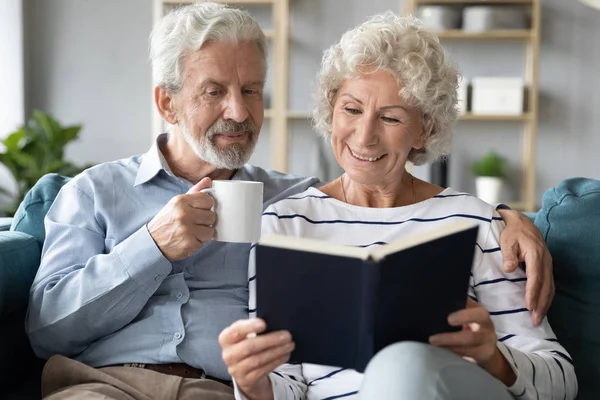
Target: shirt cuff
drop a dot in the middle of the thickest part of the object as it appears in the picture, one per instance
(240, 396)
(512, 356)
(143, 260)
(237, 393)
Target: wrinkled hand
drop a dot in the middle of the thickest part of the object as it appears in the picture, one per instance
(185, 223)
(521, 241)
(476, 341)
(250, 358)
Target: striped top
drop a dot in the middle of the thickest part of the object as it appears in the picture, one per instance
(543, 367)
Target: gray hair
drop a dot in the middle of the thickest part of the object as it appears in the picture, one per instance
(414, 56)
(188, 28)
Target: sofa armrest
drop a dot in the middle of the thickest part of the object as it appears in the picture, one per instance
(19, 262)
(5, 223)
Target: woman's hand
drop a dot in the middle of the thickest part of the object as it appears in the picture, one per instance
(476, 341)
(250, 358)
(521, 241)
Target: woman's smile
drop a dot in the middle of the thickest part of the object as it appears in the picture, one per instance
(365, 156)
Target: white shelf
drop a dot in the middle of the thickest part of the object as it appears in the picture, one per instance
(243, 2)
(419, 2)
(482, 117)
(524, 34)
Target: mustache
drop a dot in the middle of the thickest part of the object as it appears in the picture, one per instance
(230, 126)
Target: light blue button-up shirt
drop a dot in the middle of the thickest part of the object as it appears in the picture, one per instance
(104, 293)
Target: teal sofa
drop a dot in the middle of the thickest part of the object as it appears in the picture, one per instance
(569, 220)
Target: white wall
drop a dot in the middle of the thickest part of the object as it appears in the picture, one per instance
(88, 63)
(11, 66)
(11, 76)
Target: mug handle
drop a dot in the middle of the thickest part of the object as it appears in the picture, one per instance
(211, 192)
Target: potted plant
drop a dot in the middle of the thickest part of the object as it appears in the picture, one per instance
(490, 173)
(34, 150)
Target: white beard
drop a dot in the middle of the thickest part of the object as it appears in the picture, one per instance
(233, 156)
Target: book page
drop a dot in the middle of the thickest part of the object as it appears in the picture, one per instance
(313, 246)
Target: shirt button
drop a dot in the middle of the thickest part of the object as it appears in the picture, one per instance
(158, 278)
(179, 295)
(177, 336)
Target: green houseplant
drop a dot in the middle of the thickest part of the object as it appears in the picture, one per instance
(490, 172)
(36, 149)
(491, 165)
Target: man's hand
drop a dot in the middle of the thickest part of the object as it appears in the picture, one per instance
(250, 358)
(521, 241)
(476, 341)
(185, 223)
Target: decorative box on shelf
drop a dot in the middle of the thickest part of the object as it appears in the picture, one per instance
(498, 96)
(440, 18)
(485, 18)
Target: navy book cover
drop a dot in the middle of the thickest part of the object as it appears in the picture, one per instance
(343, 304)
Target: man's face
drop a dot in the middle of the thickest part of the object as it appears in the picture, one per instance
(220, 106)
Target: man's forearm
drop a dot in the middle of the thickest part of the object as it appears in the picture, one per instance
(73, 305)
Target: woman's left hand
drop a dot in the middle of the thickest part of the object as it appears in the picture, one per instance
(476, 341)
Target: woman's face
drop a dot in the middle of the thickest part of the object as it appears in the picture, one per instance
(374, 129)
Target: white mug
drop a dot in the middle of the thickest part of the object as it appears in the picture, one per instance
(238, 205)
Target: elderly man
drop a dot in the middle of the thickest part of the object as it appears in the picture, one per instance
(131, 287)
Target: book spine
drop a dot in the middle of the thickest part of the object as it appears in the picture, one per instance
(366, 337)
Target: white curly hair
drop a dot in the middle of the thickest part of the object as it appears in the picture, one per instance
(414, 56)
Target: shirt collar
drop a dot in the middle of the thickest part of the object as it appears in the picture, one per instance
(153, 162)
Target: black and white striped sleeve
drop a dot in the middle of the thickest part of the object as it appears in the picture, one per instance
(543, 367)
(287, 383)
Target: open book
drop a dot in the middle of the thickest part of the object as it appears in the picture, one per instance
(343, 304)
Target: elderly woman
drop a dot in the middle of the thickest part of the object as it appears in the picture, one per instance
(387, 95)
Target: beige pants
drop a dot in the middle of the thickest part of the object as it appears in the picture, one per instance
(64, 379)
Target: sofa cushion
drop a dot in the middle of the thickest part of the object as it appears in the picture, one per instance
(570, 223)
(19, 261)
(32, 210)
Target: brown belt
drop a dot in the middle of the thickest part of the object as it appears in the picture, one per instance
(181, 370)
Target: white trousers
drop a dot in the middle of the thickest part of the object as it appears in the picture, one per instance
(418, 371)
